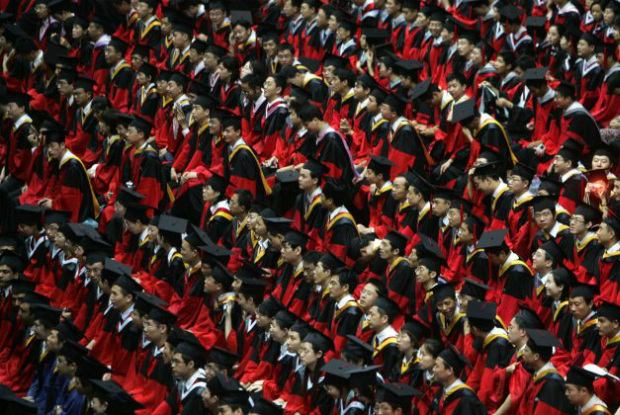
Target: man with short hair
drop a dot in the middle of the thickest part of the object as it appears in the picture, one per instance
(580, 392)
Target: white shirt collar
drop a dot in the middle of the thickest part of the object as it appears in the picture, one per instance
(594, 400)
(386, 333)
(343, 301)
(144, 234)
(456, 383)
(337, 211)
(22, 120)
(396, 123)
(499, 188)
(614, 248)
(171, 254)
(570, 174)
(547, 366)
(237, 144)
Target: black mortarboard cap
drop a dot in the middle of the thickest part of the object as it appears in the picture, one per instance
(540, 203)
(380, 164)
(589, 213)
(335, 61)
(463, 111)
(46, 312)
(12, 260)
(331, 262)
(128, 284)
(172, 224)
(197, 237)
(481, 314)
(14, 405)
(241, 15)
(399, 394)
(30, 214)
(580, 377)
(397, 102)
(454, 358)
(270, 307)
(318, 340)
(315, 167)
(609, 310)
(358, 349)
(524, 171)
(421, 184)
(420, 89)
(56, 216)
(91, 368)
(389, 307)
(584, 290)
(263, 406)
(550, 185)
(161, 315)
(68, 331)
(119, 44)
(73, 351)
(397, 240)
(535, 21)
(84, 82)
(474, 289)
(542, 339)
(296, 238)
(492, 239)
(443, 291)
(375, 36)
(146, 301)
(222, 357)
(23, 286)
(566, 89)
(511, 13)
(571, 150)
(534, 74)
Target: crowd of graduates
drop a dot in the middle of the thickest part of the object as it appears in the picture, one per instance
(310, 207)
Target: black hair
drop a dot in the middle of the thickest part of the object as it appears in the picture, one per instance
(509, 58)
(525, 62)
(545, 353)
(198, 362)
(242, 22)
(232, 65)
(433, 347)
(280, 82)
(346, 277)
(312, 257)
(458, 77)
(345, 75)
(252, 80)
(283, 47)
(309, 113)
(245, 198)
(259, 69)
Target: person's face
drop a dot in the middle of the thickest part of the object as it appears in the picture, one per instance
(500, 65)
(118, 298)
(39, 330)
(387, 113)
(516, 184)
(343, 34)
(111, 55)
(514, 332)
(288, 253)
(235, 207)
(309, 271)
(82, 98)
(293, 341)
(313, 126)
(385, 250)
(179, 39)
(93, 271)
(41, 11)
(144, 11)
(336, 290)
(153, 330)
(63, 365)
(545, 219)
(307, 354)
(454, 218)
(447, 306)
(368, 296)
(208, 194)
(210, 61)
(263, 321)
(553, 35)
(552, 288)
(270, 47)
(597, 12)
(422, 274)
(605, 233)
(230, 135)
(187, 251)
(456, 89)
(441, 371)
(608, 16)
(270, 89)
(562, 102)
(216, 16)
(6, 275)
(435, 27)
(278, 333)
(584, 50)
(64, 87)
(54, 150)
(98, 406)
(464, 48)
(476, 57)
(427, 361)
(561, 165)
(375, 319)
(359, 92)
(404, 341)
(260, 227)
(305, 180)
(180, 369)
(576, 394)
(529, 357)
(285, 57)
(579, 307)
(373, 105)
(539, 260)
(578, 224)
(320, 275)
(440, 207)
(600, 162)
(607, 327)
(399, 189)
(241, 34)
